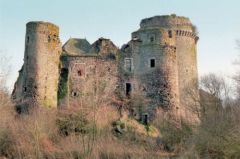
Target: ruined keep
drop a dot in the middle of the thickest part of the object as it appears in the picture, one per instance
(38, 78)
(159, 64)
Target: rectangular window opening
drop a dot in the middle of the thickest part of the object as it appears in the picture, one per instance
(128, 64)
(145, 119)
(151, 39)
(152, 63)
(170, 33)
(128, 89)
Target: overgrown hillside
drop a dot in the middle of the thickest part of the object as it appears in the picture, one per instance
(106, 132)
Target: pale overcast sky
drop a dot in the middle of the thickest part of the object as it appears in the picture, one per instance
(218, 23)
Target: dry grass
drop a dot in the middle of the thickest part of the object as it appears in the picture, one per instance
(36, 135)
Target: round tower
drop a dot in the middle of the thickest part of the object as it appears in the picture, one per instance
(41, 64)
(155, 64)
(164, 59)
(185, 40)
(186, 44)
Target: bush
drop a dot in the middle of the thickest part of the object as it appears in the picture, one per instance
(218, 135)
(6, 144)
(69, 123)
(62, 88)
(174, 137)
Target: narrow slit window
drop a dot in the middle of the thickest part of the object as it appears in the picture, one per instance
(128, 89)
(152, 63)
(145, 119)
(151, 38)
(28, 39)
(170, 33)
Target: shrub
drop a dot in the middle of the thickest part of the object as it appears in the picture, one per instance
(174, 136)
(6, 144)
(62, 88)
(76, 123)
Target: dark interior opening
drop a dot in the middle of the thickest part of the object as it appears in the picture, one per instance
(64, 73)
(151, 39)
(170, 33)
(25, 89)
(49, 38)
(63, 83)
(27, 39)
(128, 89)
(152, 63)
(74, 94)
(79, 72)
(145, 119)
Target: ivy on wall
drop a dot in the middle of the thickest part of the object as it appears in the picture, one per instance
(62, 88)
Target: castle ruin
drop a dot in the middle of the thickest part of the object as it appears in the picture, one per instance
(159, 63)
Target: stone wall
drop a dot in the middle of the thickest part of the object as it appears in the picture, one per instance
(171, 42)
(187, 71)
(159, 63)
(38, 79)
(91, 80)
(92, 76)
(158, 83)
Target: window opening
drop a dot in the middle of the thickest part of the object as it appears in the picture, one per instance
(128, 89)
(170, 33)
(128, 64)
(152, 63)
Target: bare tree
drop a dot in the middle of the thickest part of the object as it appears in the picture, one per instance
(4, 71)
(237, 75)
(4, 74)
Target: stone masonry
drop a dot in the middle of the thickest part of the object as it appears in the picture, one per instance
(38, 79)
(159, 63)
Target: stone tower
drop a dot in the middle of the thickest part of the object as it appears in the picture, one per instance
(38, 78)
(158, 65)
(160, 62)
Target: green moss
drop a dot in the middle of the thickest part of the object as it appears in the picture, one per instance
(63, 88)
(48, 103)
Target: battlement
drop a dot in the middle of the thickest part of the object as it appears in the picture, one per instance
(187, 34)
(166, 21)
(159, 63)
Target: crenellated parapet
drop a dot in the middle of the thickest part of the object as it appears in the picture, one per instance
(187, 34)
(159, 63)
(166, 45)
